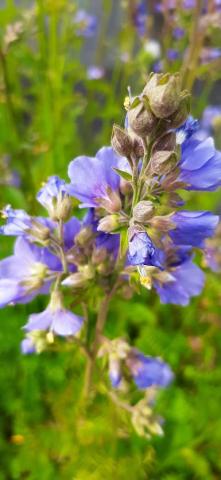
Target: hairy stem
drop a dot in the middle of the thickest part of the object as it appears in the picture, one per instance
(101, 319)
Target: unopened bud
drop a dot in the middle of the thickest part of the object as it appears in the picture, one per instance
(143, 211)
(163, 223)
(108, 224)
(39, 231)
(79, 279)
(84, 236)
(121, 141)
(99, 255)
(141, 120)
(181, 114)
(163, 92)
(165, 142)
(163, 162)
(63, 208)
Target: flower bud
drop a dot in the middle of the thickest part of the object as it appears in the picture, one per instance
(143, 211)
(84, 236)
(108, 224)
(121, 141)
(181, 114)
(99, 255)
(63, 208)
(163, 92)
(141, 120)
(163, 162)
(165, 142)
(163, 223)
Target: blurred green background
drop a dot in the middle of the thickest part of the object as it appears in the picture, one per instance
(51, 110)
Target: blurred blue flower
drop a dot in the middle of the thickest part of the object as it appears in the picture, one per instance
(27, 346)
(148, 371)
(211, 117)
(192, 228)
(184, 281)
(172, 54)
(55, 318)
(94, 182)
(200, 164)
(86, 23)
(178, 32)
(140, 18)
(95, 72)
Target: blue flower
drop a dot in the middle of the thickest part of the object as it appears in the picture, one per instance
(86, 23)
(148, 371)
(54, 197)
(192, 228)
(186, 130)
(140, 18)
(94, 72)
(172, 54)
(27, 273)
(141, 249)
(184, 281)
(94, 182)
(55, 318)
(20, 223)
(200, 164)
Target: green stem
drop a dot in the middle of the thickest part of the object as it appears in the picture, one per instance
(101, 319)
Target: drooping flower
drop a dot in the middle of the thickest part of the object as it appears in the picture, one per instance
(192, 228)
(55, 318)
(27, 273)
(148, 371)
(141, 250)
(94, 182)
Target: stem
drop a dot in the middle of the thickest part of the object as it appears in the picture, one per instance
(101, 319)
(189, 68)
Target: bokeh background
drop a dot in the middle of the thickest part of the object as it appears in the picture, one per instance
(64, 71)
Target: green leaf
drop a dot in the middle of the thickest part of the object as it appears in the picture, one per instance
(125, 175)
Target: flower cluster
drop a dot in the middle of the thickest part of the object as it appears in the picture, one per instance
(135, 231)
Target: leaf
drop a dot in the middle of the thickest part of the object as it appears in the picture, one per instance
(125, 175)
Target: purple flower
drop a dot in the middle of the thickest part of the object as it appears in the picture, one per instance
(86, 24)
(27, 346)
(200, 164)
(19, 223)
(210, 54)
(185, 281)
(27, 273)
(192, 228)
(55, 318)
(172, 54)
(94, 182)
(95, 72)
(140, 18)
(115, 373)
(186, 130)
(141, 249)
(54, 197)
(148, 371)
(178, 32)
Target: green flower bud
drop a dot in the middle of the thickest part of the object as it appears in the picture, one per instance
(108, 224)
(143, 211)
(63, 208)
(163, 93)
(121, 141)
(180, 115)
(140, 118)
(163, 162)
